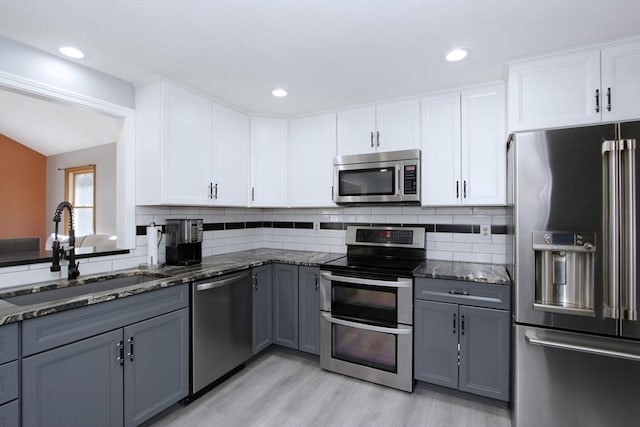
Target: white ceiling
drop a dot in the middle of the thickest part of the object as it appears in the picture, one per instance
(326, 53)
(51, 128)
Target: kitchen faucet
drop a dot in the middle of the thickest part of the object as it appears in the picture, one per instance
(57, 250)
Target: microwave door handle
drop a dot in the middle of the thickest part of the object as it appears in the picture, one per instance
(366, 326)
(398, 189)
(401, 283)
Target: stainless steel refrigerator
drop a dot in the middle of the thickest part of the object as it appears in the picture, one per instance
(573, 194)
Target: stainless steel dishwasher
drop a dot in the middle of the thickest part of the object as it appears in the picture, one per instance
(221, 313)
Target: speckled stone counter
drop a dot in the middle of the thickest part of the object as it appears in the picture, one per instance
(166, 276)
(466, 271)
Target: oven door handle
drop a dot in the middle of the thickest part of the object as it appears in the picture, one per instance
(357, 325)
(401, 283)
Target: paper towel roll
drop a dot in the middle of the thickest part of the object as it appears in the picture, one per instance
(153, 236)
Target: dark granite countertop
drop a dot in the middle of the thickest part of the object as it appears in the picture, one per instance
(213, 266)
(34, 257)
(173, 275)
(466, 271)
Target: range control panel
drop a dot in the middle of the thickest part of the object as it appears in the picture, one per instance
(399, 237)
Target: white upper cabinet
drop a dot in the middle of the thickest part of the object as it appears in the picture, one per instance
(554, 91)
(356, 131)
(230, 157)
(398, 125)
(312, 146)
(463, 147)
(385, 127)
(173, 128)
(268, 162)
(621, 83)
(578, 88)
(484, 152)
(441, 149)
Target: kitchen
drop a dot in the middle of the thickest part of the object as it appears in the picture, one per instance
(290, 207)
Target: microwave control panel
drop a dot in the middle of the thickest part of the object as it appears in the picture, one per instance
(410, 179)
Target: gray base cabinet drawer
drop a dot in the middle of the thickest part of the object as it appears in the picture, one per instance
(468, 293)
(8, 382)
(10, 414)
(47, 332)
(8, 343)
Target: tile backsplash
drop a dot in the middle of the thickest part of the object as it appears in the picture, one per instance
(452, 234)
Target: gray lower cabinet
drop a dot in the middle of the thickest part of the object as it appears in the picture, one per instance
(309, 310)
(262, 331)
(117, 377)
(285, 305)
(156, 368)
(466, 347)
(484, 351)
(10, 414)
(9, 376)
(78, 384)
(436, 343)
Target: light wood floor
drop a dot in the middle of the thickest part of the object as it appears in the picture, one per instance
(282, 388)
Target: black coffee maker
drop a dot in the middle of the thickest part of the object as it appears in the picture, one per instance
(184, 241)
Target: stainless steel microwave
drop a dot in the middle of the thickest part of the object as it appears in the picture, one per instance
(387, 177)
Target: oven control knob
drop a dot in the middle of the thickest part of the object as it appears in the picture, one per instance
(547, 238)
(588, 246)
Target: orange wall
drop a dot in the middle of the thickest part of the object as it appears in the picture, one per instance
(23, 199)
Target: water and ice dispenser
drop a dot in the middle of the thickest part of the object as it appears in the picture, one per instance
(564, 266)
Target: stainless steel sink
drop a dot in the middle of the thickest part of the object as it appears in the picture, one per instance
(94, 286)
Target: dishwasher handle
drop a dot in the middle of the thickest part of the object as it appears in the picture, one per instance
(219, 283)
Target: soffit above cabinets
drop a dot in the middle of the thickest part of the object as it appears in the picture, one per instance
(327, 54)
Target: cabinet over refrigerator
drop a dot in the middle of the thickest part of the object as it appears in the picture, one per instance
(577, 335)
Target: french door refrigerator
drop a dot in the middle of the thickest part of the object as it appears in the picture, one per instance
(575, 233)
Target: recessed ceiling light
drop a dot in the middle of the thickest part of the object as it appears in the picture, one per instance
(279, 93)
(71, 52)
(456, 55)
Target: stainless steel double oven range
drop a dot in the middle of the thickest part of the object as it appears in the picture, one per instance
(366, 305)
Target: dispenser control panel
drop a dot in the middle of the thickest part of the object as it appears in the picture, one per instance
(562, 240)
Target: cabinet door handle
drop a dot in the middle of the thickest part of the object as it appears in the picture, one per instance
(120, 348)
(215, 194)
(377, 138)
(253, 194)
(457, 189)
(464, 188)
(255, 282)
(457, 292)
(317, 282)
(462, 325)
(597, 100)
(371, 139)
(608, 99)
(454, 323)
(211, 190)
(130, 354)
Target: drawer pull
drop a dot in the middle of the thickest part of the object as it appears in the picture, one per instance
(457, 292)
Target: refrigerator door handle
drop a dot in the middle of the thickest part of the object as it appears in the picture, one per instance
(629, 298)
(611, 227)
(531, 338)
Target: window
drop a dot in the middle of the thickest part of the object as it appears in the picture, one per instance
(80, 190)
